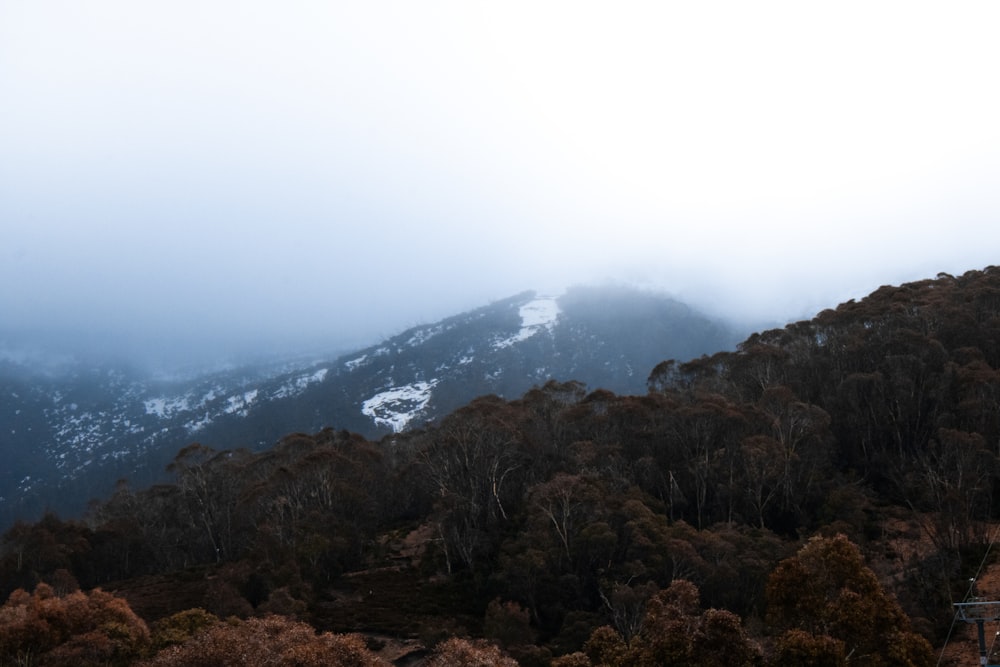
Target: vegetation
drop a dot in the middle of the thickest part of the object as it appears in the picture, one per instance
(817, 497)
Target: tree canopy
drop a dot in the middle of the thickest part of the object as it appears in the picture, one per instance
(749, 509)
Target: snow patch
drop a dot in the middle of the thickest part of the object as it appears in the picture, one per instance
(240, 404)
(398, 406)
(166, 407)
(353, 364)
(536, 315)
(198, 424)
(421, 336)
(299, 384)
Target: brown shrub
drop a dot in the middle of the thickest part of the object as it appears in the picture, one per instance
(273, 640)
(78, 629)
(457, 652)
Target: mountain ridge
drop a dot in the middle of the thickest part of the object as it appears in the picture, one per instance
(859, 444)
(60, 429)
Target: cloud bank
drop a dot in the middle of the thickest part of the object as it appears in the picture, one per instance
(323, 172)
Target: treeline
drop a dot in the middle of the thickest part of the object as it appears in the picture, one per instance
(537, 522)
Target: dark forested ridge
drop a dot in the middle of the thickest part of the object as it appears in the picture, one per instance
(67, 437)
(821, 495)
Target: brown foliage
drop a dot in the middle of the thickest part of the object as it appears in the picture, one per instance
(800, 648)
(554, 498)
(827, 591)
(180, 627)
(507, 623)
(77, 629)
(676, 631)
(576, 659)
(267, 641)
(458, 652)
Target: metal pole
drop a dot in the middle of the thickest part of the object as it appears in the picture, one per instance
(979, 611)
(982, 641)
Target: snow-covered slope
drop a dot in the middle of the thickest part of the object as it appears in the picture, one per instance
(67, 439)
(57, 431)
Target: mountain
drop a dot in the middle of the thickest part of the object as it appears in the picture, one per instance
(843, 467)
(66, 437)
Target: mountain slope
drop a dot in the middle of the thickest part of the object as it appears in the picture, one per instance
(861, 442)
(68, 438)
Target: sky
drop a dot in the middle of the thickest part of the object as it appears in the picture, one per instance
(265, 173)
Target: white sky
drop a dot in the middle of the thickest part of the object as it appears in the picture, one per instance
(347, 169)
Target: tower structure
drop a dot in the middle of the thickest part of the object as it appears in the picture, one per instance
(979, 611)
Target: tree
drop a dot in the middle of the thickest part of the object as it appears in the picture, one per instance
(798, 648)
(507, 623)
(34, 552)
(675, 631)
(260, 642)
(827, 592)
(697, 431)
(802, 431)
(627, 605)
(457, 652)
(76, 630)
(565, 504)
(181, 627)
(210, 484)
(953, 479)
(762, 459)
(473, 462)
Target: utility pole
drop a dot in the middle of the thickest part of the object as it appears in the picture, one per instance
(979, 611)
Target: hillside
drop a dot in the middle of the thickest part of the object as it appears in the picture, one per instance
(825, 490)
(68, 437)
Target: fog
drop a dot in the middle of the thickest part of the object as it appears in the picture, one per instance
(183, 181)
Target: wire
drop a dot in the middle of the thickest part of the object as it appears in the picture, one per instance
(947, 639)
(972, 582)
(997, 632)
(972, 587)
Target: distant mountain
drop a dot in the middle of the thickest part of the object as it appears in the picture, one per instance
(67, 438)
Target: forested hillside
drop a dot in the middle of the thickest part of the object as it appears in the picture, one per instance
(819, 496)
(66, 437)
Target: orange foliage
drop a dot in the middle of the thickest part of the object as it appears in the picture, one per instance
(674, 631)
(576, 659)
(272, 640)
(797, 647)
(74, 630)
(829, 596)
(457, 652)
(180, 627)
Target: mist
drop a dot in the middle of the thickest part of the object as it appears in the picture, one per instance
(183, 184)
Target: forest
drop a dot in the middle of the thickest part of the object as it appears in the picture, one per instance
(821, 495)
